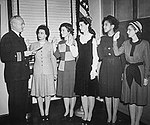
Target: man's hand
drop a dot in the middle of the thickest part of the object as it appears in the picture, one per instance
(27, 53)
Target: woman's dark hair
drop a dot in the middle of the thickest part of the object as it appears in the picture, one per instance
(139, 35)
(112, 20)
(45, 28)
(68, 26)
(88, 20)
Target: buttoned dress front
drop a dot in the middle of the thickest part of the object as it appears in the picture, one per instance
(111, 68)
(43, 71)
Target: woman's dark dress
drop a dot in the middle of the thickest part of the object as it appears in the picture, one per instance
(111, 68)
(83, 84)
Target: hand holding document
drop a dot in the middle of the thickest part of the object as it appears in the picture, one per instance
(36, 50)
(33, 52)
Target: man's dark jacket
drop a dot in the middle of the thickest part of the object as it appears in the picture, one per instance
(12, 49)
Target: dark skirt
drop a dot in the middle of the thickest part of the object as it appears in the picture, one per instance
(86, 86)
(110, 78)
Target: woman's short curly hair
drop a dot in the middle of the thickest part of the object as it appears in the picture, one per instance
(68, 26)
(45, 28)
(112, 20)
(86, 20)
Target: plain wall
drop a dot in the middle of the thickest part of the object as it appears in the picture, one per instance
(95, 13)
(4, 29)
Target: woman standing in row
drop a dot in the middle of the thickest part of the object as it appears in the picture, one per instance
(44, 72)
(111, 68)
(86, 80)
(66, 51)
(136, 73)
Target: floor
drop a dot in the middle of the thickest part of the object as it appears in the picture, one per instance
(57, 110)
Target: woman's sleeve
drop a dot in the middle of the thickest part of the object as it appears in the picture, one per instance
(31, 47)
(120, 50)
(147, 60)
(74, 49)
(56, 52)
(54, 62)
(95, 55)
(122, 56)
(100, 51)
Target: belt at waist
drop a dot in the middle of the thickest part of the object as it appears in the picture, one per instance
(137, 64)
(133, 72)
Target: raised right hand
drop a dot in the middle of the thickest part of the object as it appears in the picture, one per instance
(116, 36)
(55, 41)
